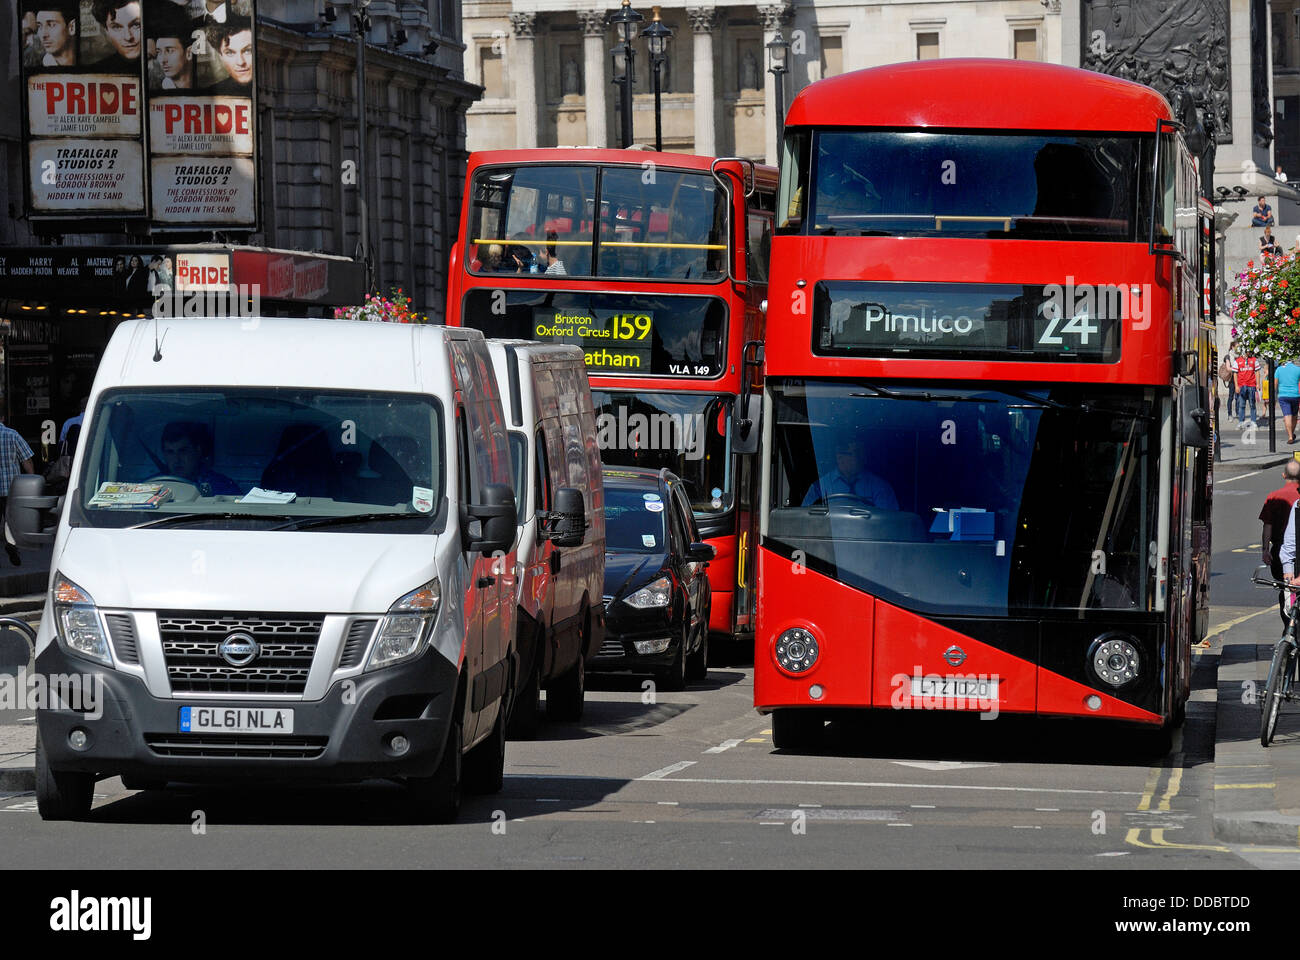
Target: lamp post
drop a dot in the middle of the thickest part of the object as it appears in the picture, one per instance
(625, 22)
(656, 37)
(360, 27)
(776, 52)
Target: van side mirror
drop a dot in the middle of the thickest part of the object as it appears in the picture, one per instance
(567, 523)
(1195, 426)
(27, 512)
(496, 511)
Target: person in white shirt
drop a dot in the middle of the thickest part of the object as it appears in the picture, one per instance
(1279, 176)
(547, 258)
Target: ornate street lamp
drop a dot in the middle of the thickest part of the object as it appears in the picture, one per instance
(625, 22)
(777, 49)
(656, 37)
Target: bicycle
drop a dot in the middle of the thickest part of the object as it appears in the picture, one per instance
(1282, 670)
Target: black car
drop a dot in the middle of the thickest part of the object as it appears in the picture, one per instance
(657, 592)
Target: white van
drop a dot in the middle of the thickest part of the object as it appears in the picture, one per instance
(561, 545)
(287, 553)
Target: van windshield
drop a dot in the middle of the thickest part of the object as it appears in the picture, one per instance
(262, 458)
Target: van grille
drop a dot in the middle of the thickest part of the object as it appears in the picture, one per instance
(286, 642)
(236, 746)
(122, 629)
(354, 647)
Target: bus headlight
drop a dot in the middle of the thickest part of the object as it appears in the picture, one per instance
(796, 650)
(1114, 659)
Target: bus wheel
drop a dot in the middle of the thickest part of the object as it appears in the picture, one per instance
(796, 728)
(697, 665)
(436, 799)
(485, 765)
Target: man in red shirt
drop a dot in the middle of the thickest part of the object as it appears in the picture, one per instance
(1274, 516)
(1247, 371)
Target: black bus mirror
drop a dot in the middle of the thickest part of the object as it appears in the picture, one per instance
(745, 428)
(1196, 427)
(567, 523)
(28, 511)
(496, 513)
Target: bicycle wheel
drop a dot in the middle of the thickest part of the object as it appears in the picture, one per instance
(1278, 672)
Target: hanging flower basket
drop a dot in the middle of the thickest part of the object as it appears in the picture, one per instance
(1265, 308)
(395, 308)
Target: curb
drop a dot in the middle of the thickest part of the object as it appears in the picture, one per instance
(18, 779)
(1257, 826)
(1236, 467)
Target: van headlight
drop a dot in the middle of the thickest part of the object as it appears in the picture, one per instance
(657, 594)
(79, 627)
(407, 625)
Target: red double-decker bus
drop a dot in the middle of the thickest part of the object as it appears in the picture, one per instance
(655, 264)
(986, 476)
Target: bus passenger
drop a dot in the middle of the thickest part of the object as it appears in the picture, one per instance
(852, 478)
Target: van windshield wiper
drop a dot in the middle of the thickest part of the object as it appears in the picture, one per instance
(305, 523)
(176, 519)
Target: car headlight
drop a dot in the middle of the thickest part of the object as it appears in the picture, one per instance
(79, 627)
(407, 625)
(657, 594)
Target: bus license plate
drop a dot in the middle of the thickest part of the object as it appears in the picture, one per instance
(235, 720)
(965, 688)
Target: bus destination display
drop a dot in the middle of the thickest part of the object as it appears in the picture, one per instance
(1053, 321)
(619, 341)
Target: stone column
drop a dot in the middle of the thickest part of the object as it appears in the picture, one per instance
(524, 72)
(772, 15)
(593, 48)
(703, 20)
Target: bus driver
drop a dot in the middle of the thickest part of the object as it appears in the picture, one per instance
(852, 478)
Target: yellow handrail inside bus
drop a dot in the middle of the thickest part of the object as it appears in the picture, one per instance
(606, 243)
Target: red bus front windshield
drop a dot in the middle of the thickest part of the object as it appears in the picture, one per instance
(653, 223)
(1057, 508)
(1025, 186)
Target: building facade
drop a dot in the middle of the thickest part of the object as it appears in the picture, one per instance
(548, 69)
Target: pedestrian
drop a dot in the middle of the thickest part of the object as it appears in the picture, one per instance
(1228, 374)
(1247, 370)
(1261, 215)
(1287, 389)
(15, 458)
(1279, 175)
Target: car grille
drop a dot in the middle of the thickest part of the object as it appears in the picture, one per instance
(236, 746)
(610, 648)
(287, 643)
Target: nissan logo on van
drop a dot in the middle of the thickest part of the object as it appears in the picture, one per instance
(238, 649)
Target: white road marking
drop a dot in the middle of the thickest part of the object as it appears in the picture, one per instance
(1115, 853)
(898, 824)
(661, 776)
(941, 764)
(725, 745)
(1025, 827)
(667, 803)
(671, 768)
(1047, 809)
(923, 806)
(1243, 476)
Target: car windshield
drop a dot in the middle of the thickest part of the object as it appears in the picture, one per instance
(689, 433)
(634, 520)
(1037, 186)
(958, 499)
(257, 457)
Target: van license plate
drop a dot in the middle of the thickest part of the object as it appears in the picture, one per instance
(235, 720)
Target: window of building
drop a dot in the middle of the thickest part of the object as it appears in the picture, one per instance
(832, 56)
(491, 72)
(927, 46)
(1025, 43)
